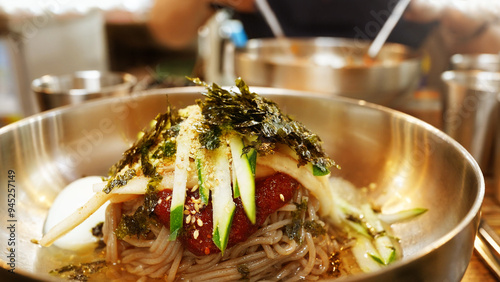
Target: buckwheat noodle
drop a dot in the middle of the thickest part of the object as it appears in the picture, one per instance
(267, 255)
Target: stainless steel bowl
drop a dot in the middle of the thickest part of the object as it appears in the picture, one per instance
(332, 66)
(412, 164)
(54, 91)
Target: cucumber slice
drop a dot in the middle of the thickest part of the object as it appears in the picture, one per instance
(317, 171)
(245, 175)
(383, 243)
(179, 187)
(202, 177)
(236, 188)
(222, 199)
(401, 216)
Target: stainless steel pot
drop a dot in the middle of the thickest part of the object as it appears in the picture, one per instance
(411, 163)
(332, 66)
(70, 89)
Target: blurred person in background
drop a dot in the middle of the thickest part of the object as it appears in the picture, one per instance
(466, 26)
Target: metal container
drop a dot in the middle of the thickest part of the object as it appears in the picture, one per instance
(332, 66)
(55, 91)
(485, 62)
(407, 162)
(470, 112)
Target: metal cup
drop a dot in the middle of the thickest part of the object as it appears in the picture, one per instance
(484, 62)
(470, 112)
(55, 91)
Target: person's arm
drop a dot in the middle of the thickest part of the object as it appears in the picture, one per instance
(472, 27)
(175, 23)
(471, 33)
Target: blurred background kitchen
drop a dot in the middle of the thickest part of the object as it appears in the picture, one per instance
(63, 36)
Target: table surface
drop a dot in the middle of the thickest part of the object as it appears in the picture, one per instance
(477, 270)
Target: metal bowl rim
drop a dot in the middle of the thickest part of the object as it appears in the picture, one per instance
(410, 55)
(129, 80)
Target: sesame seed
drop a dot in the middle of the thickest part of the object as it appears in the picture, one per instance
(197, 207)
(195, 187)
(199, 222)
(185, 212)
(193, 211)
(188, 219)
(282, 197)
(193, 219)
(196, 233)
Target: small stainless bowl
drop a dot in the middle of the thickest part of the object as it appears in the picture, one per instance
(55, 91)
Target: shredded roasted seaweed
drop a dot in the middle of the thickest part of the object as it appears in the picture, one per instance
(166, 151)
(166, 127)
(314, 227)
(97, 230)
(294, 229)
(244, 271)
(119, 180)
(151, 196)
(335, 264)
(246, 113)
(250, 114)
(79, 272)
(139, 223)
